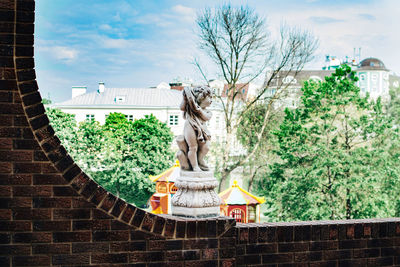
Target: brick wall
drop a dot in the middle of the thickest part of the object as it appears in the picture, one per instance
(372, 242)
(52, 214)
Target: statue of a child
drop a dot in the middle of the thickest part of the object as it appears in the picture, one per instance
(194, 144)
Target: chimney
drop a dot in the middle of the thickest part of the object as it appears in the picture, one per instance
(101, 87)
(78, 90)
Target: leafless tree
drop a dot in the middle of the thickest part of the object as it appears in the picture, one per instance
(238, 42)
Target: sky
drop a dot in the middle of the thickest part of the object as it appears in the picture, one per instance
(141, 43)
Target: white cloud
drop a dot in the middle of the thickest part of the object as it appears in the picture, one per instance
(117, 17)
(105, 27)
(115, 43)
(184, 10)
(186, 13)
(143, 48)
(324, 19)
(61, 53)
(173, 17)
(372, 27)
(64, 53)
(154, 19)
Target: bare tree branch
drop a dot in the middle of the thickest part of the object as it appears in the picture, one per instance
(238, 42)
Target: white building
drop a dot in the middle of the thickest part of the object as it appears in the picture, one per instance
(374, 79)
(373, 76)
(135, 103)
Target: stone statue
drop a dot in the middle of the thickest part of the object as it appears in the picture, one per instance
(196, 184)
(195, 141)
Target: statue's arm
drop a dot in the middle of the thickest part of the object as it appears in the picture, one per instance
(207, 114)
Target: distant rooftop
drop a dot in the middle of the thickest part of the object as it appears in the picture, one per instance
(372, 64)
(124, 97)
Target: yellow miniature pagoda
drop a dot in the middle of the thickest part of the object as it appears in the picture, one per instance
(240, 204)
(160, 201)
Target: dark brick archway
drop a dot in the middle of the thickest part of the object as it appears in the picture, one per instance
(52, 214)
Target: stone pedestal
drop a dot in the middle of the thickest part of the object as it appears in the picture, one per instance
(196, 196)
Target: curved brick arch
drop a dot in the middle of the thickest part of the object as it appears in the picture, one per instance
(44, 134)
(52, 214)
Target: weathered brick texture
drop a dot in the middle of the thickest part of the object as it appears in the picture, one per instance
(53, 214)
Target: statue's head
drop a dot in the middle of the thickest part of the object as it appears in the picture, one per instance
(203, 95)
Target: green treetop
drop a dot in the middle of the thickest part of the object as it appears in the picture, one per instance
(119, 155)
(333, 156)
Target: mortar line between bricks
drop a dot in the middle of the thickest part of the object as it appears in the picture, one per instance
(165, 226)
(15, 74)
(93, 193)
(233, 224)
(79, 174)
(83, 187)
(101, 202)
(31, 119)
(25, 82)
(67, 169)
(122, 212)
(29, 93)
(112, 207)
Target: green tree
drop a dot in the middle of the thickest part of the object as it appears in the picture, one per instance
(89, 145)
(333, 155)
(393, 107)
(46, 101)
(65, 126)
(132, 152)
(119, 155)
(247, 134)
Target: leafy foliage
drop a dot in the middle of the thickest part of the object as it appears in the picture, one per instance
(120, 155)
(393, 107)
(337, 157)
(247, 134)
(64, 125)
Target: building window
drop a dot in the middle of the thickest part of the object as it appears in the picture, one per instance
(217, 122)
(162, 188)
(237, 214)
(174, 189)
(129, 117)
(251, 217)
(289, 79)
(90, 117)
(120, 99)
(173, 120)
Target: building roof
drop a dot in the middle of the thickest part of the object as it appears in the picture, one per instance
(372, 64)
(169, 175)
(235, 195)
(287, 78)
(126, 97)
(242, 88)
(129, 98)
